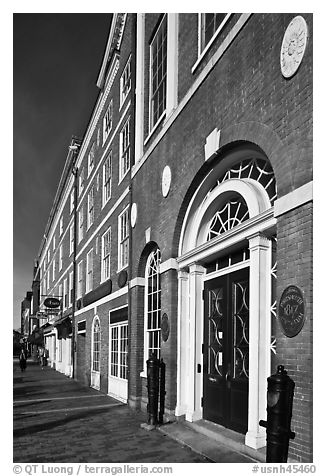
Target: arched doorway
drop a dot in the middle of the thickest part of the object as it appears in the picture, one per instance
(225, 262)
(96, 353)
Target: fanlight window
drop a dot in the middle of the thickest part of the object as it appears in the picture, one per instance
(235, 211)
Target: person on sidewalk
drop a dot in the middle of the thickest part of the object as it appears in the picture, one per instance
(22, 360)
(41, 356)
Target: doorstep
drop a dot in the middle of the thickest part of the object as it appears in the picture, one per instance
(216, 442)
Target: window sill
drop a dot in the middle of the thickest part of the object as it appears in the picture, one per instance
(159, 121)
(143, 374)
(124, 101)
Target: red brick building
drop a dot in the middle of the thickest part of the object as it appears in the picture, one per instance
(185, 220)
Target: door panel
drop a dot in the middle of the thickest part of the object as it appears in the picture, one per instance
(226, 350)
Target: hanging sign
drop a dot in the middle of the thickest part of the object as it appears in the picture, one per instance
(291, 311)
(51, 302)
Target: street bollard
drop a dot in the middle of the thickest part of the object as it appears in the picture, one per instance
(153, 370)
(280, 392)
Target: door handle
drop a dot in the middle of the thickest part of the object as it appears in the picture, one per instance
(212, 379)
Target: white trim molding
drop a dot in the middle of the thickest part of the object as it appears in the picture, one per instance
(168, 265)
(137, 281)
(294, 199)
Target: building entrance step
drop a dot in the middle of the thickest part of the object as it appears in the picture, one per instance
(216, 442)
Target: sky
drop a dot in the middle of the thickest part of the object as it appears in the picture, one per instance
(56, 61)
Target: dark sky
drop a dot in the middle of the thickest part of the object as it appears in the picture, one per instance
(56, 61)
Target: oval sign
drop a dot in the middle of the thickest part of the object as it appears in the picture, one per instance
(291, 311)
(52, 302)
(165, 327)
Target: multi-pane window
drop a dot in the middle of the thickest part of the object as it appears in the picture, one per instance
(90, 207)
(48, 280)
(210, 24)
(107, 178)
(153, 305)
(71, 238)
(53, 242)
(71, 287)
(91, 158)
(60, 257)
(125, 82)
(89, 271)
(106, 254)
(125, 149)
(96, 345)
(61, 226)
(80, 279)
(158, 61)
(49, 255)
(65, 294)
(119, 351)
(60, 293)
(107, 121)
(81, 181)
(53, 269)
(80, 224)
(123, 235)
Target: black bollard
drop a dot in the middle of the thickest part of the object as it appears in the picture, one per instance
(280, 392)
(153, 371)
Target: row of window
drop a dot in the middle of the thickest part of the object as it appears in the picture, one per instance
(123, 258)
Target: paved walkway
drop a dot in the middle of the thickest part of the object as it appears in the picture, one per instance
(57, 420)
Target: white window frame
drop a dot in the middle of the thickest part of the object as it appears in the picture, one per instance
(71, 239)
(60, 258)
(53, 243)
(72, 201)
(80, 279)
(106, 256)
(146, 310)
(70, 289)
(81, 181)
(125, 82)
(152, 124)
(89, 270)
(123, 238)
(53, 269)
(91, 159)
(49, 255)
(48, 280)
(60, 294)
(98, 136)
(124, 148)
(65, 293)
(108, 121)
(107, 182)
(97, 352)
(61, 225)
(80, 224)
(90, 207)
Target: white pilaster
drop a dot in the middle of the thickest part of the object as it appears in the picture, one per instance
(172, 63)
(183, 342)
(139, 107)
(194, 381)
(259, 336)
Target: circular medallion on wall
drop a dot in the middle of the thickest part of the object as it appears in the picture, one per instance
(133, 215)
(293, 46)
(122, 278)
(291, 311)
(165, 327)
(166, 180)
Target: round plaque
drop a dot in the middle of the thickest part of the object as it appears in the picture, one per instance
(166, 180)
(293, 46)
(133, 215)
(122, 278)
(291, 311)
(165, 327)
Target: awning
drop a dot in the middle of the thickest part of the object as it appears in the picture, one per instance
(36, 337)
(64, 327)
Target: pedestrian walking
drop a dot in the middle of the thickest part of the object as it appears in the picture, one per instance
(41, 356)
(22, 360)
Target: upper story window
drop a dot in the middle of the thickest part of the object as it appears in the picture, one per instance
(61, 225)
(98, 137)
(125, 149)
(81, 181)
(91, 159)
(106, 254)
(49, 255)
(53, 242)
(71, 239)
(107, 121)
(65, 294)
(80, 279)
(89, 271)
(123, 236)
(53, 269)
(80, 224)
(72, 201)
(158, 65)
(90, 207)
(125, 82)
(71, 287)
(210, 25)
(107, 178)
(60, 293)
(60, 258)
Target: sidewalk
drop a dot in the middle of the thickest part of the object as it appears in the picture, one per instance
(57, 420)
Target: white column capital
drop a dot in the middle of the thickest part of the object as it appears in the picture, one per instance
(195, 268)
(258, 240)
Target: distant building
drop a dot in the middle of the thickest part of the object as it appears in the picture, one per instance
(182, 225)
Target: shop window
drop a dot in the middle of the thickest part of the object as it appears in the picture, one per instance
(71, 288)
(158, 68)
(96, 337)
(152, 343)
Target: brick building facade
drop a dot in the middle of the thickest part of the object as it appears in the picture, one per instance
(192, 205)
